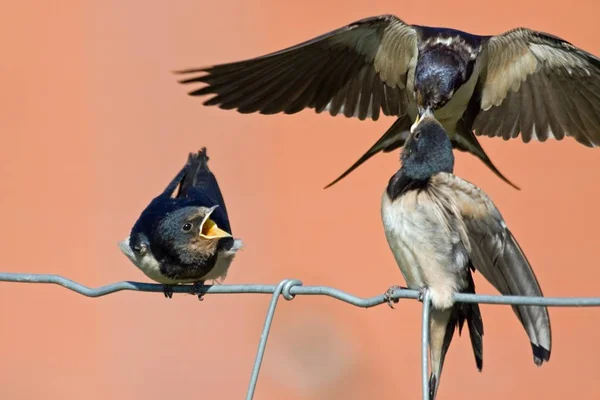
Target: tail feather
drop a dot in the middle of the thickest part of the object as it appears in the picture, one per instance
(455, 318)
(441, 331)
(198, 174)
(197, 163)
(392, 139)
(196, 181)
(397, 134)
(466, 141)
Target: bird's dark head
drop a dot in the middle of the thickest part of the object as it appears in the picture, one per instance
(441, 70)
(428, 150)
(184, 236)
(189, 233)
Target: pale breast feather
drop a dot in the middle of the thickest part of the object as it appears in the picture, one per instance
(426, 244)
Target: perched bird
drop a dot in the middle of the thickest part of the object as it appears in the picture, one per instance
(183, 235)
(440, 228)
(520, 81)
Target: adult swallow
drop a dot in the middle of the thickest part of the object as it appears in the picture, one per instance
(440, 228)
(521, 81)
(184, 235)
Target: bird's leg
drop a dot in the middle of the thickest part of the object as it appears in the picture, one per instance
(199, 290)
(168, 291)
(388, 296)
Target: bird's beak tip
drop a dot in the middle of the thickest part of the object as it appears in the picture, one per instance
(413, 127)
(210, 229)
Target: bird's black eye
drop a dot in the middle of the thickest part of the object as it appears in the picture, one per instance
(417, 134)
(187, 227)
(139, 248)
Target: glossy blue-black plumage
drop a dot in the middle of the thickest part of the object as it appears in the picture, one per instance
(196, 186)
(427, 152)
(446, 61)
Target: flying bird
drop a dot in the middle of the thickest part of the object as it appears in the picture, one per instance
(521, 82)
(440, 229)
(184, 235)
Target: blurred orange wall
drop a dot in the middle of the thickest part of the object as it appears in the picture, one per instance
(94, 125)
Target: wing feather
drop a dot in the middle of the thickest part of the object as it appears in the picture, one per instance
(358, 70)
(554, 84)
(497, 255)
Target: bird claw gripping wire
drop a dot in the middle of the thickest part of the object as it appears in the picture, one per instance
(388, 296)
(199, 290)
(168, 291)
(422, 293)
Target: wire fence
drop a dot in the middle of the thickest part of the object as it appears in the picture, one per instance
(289, 288)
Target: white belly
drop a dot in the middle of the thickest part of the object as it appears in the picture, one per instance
(402, 233)
(150, 266)
(423, 249)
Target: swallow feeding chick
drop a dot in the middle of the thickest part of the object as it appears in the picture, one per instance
(440, 229)
(184, 235)
(520, 82)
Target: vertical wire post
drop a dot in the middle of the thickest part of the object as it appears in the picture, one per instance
(282, 288)
(425, 343)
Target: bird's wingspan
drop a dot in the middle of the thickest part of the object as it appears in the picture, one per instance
(540, 86)
(497, 255)
(358, 70)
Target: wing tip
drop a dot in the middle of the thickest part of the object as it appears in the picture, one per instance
(540, 354)
(199, 158)
(190, 70)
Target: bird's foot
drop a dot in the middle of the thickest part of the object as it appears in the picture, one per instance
(168, 291)
(389, 295)
(421, 294)
(199, 290)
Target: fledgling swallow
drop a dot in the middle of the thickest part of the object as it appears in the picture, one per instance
(520, 81)
(184, 235)
(440, 228)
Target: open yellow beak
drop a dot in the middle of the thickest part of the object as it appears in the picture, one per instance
(210, 230)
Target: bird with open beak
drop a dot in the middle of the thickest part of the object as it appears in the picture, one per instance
(440, 229)
(521, 82)
(184, 235)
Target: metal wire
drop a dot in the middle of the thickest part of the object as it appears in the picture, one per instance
(289, 288)
(283, 288)
(425, 342)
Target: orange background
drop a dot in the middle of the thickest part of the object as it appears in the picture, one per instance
(94, 125)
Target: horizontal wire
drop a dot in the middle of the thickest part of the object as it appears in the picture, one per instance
(289, 288)
(293, 290)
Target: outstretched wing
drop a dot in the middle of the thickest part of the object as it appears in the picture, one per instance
(358, 70)
(540, 86)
